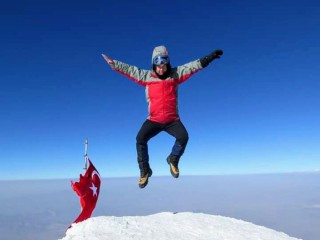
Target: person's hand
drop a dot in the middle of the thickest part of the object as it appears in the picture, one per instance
(108, 60)
(208, 59)
(216, 53)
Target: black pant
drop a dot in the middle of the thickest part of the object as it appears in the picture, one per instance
(150, 129)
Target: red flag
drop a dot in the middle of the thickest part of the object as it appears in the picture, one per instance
(88, 189)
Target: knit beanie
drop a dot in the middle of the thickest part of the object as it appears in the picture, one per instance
(159, 51)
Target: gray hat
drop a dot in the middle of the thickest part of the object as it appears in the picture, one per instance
(159, 51)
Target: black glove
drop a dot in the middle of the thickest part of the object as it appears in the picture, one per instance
(208, 59)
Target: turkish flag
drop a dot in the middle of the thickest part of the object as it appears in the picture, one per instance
(88, 189)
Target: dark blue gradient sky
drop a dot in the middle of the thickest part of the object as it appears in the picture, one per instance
(254, 111)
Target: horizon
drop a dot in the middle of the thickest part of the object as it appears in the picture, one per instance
(316, 171)
(38, 209)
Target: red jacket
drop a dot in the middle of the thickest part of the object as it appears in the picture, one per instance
(161, 95)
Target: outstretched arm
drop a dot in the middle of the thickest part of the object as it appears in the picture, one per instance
(185, 71)
(208, 59)
(134, 73)
(108, 60)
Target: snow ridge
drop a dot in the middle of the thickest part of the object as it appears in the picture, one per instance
(167, 226)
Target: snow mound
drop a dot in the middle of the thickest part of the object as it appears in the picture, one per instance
(166, 225)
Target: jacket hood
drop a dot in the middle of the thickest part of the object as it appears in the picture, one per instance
(159, 51)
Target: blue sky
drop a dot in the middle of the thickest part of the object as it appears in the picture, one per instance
(255, 110)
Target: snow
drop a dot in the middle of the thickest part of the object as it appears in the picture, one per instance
(167, 225)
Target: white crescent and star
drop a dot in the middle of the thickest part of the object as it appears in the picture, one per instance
(94, 190)
(93, 187)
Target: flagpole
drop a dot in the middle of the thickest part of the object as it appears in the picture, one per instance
(86, 154)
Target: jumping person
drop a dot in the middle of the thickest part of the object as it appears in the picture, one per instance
(161, 83)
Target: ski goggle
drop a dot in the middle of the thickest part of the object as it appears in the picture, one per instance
(158, 60)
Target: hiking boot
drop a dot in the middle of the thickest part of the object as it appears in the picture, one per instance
(143, 181)
(173, 163)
